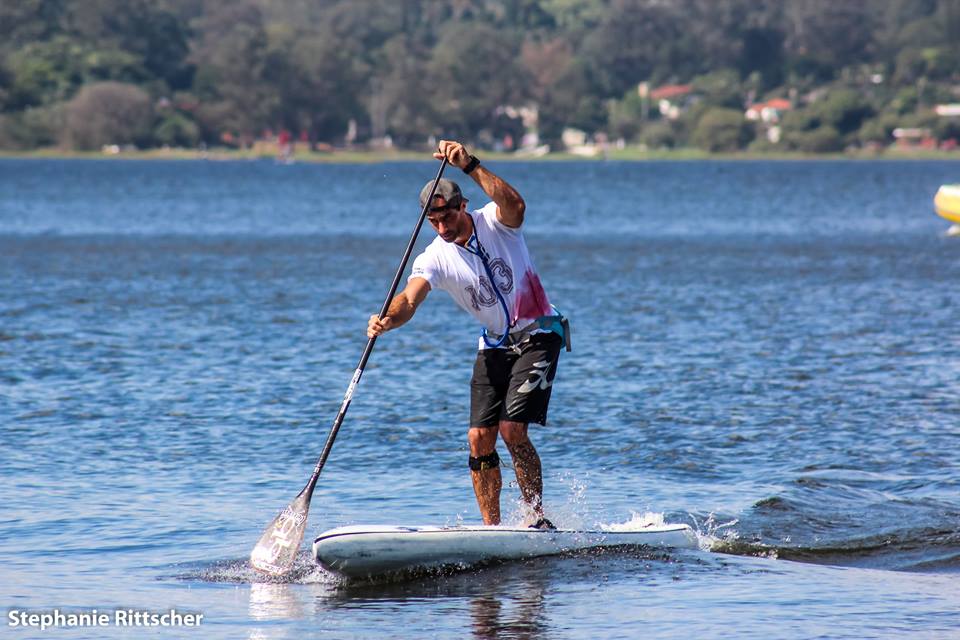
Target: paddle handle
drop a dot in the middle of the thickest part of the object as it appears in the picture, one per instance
(348, 396)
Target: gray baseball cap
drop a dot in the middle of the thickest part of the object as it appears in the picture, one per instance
(446, 189)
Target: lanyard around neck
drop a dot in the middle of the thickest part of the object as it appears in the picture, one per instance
(478, 250)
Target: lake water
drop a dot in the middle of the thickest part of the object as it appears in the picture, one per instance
(767, 351)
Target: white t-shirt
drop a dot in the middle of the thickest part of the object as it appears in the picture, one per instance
(448, 266)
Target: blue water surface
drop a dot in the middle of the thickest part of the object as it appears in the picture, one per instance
(766, 350)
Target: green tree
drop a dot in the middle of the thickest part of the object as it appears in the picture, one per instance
(556, 81)
(825, 35)
(844, 110)
(947, 129)
(799, 120)
(721, 130)
(30, 21)
(659, 134)
(176, 130)
(626, 116)
(45, 72)
(316, 82)
(878, 129)
(560, 103)
(823, 139)
(233, 76)
(31, 128)
(631, 42)
(154, 38)
(400, 96)
(575, 15)
(720, 88)
(762, 52)
(473, 70)
(107, 113)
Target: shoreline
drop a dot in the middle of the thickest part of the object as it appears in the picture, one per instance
(349, 156)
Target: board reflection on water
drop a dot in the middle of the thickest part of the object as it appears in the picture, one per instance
(502, 600)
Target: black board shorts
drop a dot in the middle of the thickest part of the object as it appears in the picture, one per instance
(508, 385)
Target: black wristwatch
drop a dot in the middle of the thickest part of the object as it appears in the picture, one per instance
(473, 164)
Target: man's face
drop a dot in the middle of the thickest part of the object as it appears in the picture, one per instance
(445, 218)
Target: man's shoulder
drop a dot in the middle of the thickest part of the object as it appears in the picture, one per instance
(487, 212)
(435, 252)
(488, 217)
(437, 247)
(431, 264)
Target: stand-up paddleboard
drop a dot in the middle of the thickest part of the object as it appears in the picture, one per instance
(370, 550)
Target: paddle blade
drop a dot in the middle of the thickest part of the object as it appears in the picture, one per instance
(277, 549)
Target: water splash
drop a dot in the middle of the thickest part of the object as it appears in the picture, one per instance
(239, 571)
(637, 522)
(713, 535)
(574, 512)
(570, 512)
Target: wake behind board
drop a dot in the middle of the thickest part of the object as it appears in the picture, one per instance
(370, 550)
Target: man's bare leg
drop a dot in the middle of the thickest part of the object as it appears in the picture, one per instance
(486, 481)
(526, 463)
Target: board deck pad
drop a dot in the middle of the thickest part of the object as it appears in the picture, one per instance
(358, 551)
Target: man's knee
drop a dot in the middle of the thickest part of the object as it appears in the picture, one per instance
(513, 433)
(483, 440)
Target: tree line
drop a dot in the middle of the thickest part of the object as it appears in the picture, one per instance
(84, 73)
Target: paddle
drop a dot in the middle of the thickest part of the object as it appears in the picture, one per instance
(277, 548)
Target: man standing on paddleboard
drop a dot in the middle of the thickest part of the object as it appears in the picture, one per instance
(481, 259)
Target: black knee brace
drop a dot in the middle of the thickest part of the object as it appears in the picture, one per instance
(489, 461)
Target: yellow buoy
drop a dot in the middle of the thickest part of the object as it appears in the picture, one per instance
(947, 202)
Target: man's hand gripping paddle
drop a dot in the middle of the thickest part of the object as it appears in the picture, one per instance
(277, 548)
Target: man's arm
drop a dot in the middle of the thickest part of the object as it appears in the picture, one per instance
(401, 308)
(510, 206)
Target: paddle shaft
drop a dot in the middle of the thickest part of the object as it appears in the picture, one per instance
(348, 396)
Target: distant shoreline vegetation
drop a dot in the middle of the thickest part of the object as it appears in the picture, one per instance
(355, 156)
(585, 77)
